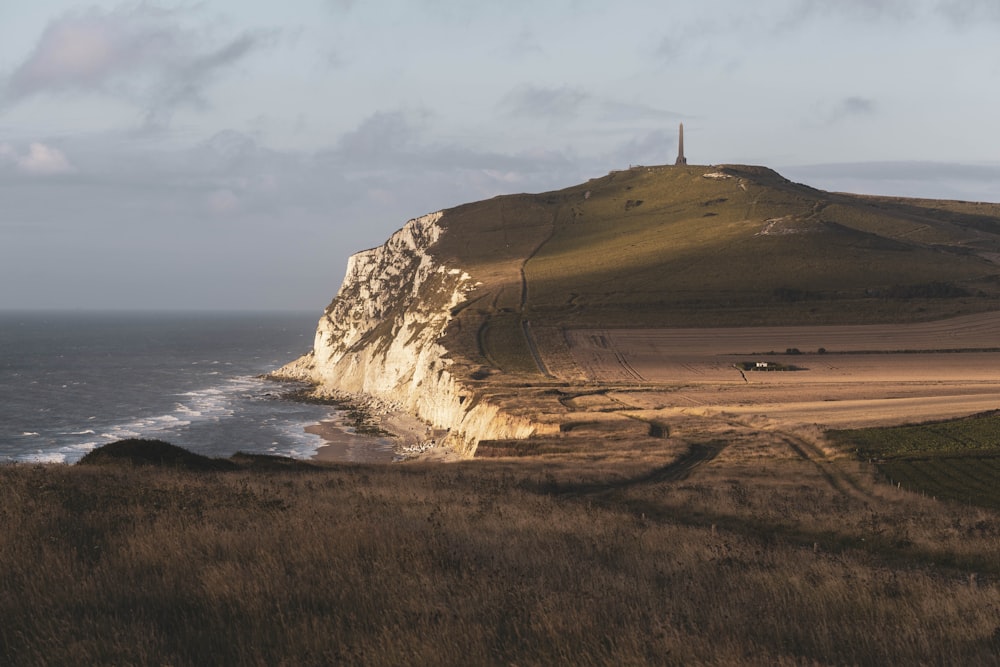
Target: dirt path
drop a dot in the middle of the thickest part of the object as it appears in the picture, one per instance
(533, 348)
(525, 324)
(698, 454)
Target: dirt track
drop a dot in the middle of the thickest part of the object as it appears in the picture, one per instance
(867, 375)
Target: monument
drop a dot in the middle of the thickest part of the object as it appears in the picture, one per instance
(680, 148)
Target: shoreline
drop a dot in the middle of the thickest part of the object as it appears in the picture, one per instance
(406, 438)
(371, 430)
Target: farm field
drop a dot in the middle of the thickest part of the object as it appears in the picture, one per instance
(866, 375)
(956, 460)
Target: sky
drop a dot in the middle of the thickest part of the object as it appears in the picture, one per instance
(231, 154)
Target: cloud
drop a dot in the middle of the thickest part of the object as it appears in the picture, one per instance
(393, 146)
(223, 202)
(89, 50)
(139, 54)
(868, 9)
(381, 134)
(525, 43)
(341, 5)
(826, 113)
(668, 48)
(40, 159)
(183, 82)
(612, 110)
(851, 106)
(550, 103)
(969, 12)
(962, 13)
(656, 147)
(944, 180)
(565, 102)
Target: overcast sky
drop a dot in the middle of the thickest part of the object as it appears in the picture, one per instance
(230, 154)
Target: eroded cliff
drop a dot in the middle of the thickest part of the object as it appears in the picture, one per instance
(381, 336)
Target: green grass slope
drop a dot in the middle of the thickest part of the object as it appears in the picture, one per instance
(711, 246)
(956, 459)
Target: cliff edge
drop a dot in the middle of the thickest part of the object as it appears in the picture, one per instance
(381, 337)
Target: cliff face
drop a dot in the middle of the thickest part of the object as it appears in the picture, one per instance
(381, 337)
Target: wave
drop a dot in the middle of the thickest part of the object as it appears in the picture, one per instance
(238, 413)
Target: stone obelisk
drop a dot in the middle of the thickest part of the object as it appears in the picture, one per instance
(680, 148)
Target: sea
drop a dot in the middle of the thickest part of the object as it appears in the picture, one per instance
(72, 381)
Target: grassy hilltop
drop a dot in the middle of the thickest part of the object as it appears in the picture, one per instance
(712, 246)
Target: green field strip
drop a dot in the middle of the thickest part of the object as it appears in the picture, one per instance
(957, 474)
(946, 479)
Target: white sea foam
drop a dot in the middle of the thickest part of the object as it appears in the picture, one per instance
(262, 424)
(213, 402)
(189, 397)
(301, 445)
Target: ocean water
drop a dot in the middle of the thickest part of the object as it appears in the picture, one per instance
(70, 382)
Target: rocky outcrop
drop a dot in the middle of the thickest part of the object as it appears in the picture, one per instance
(381, 336)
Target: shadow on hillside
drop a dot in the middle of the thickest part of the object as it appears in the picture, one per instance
(697, 454)
(138, 452)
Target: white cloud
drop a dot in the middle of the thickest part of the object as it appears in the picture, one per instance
(142, 55)
(86, 50)
(40, 159)
(223, 202)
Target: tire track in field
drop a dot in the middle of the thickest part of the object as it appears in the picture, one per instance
(839, 479)
(698, 454)
(525, 325)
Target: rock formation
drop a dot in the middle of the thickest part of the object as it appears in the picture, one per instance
(380, 337)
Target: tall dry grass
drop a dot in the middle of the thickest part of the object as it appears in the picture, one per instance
(488, 563)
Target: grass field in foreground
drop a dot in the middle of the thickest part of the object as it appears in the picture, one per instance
(954, 460)
(527, 562)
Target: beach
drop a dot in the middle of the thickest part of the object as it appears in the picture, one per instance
(407, 437)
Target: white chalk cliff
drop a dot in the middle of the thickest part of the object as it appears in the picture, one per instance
(381, 337)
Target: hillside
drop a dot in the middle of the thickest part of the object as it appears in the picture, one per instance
(488, 319)
(713, 246)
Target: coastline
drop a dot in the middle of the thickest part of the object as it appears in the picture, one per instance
(368, 429)
(371, 430)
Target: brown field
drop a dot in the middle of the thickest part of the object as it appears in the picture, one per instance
(748, 549)
(866, 375)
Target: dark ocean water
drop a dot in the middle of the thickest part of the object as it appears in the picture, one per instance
(72, 381)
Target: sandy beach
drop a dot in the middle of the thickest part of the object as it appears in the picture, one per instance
(410, 438)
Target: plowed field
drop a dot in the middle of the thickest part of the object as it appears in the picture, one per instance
(840, 376)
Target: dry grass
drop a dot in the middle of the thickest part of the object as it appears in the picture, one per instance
(755, 556)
